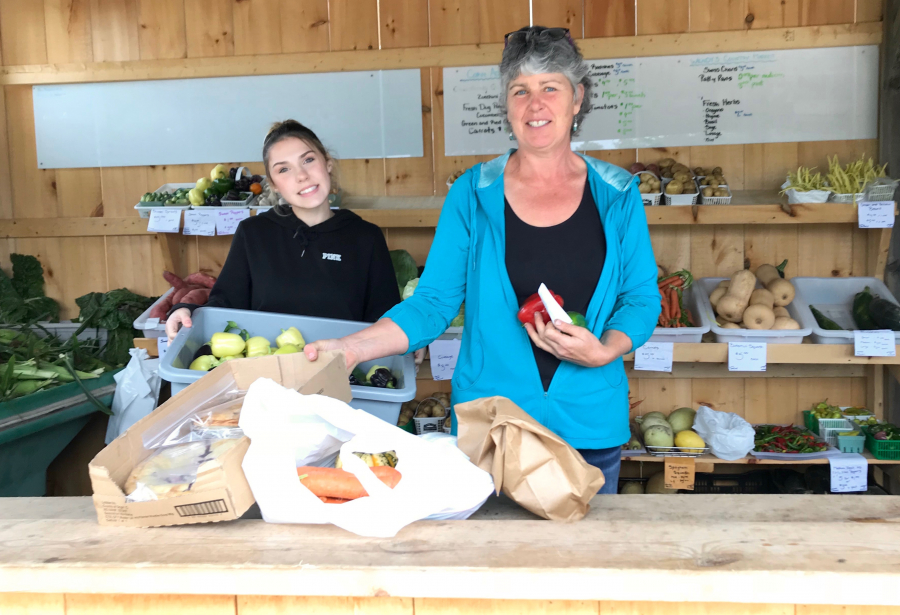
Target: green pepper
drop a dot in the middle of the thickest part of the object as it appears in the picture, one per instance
(291, 336)
(204, 363)
(226, 344)
(577, 319)
(861, 316)
(287, 349)
(258, 347)
(209, 192)
(824, 321)
(222, 186)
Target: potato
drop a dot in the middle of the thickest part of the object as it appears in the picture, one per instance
(720, 192)
(667, 173)
(666, 162)
(698, 171)
(704, 181)
(707, 191)
(682, 177)
(644, 188)
(717, 171)
(759, 316)
(674, 187)
(438, 411)
(680, 167)
(720, 179)
(713, 184)
(655, 184)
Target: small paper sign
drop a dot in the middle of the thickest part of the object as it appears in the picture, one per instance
(876, 214)
(746, 356)
(163, 220)
(654, 357)
(679, 473)
(228, 220)
(849, 472)
(200, 222)
(162, 345)
(444, 354)
(879, 343)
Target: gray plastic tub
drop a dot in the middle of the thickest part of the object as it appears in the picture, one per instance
(834, 298)
(383, 403)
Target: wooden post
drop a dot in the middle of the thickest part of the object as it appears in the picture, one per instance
(174, 251)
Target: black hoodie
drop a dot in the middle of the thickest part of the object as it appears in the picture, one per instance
(340, 268)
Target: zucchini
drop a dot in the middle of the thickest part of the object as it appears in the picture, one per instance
(825, 322)
(886, 314)
(861, 316)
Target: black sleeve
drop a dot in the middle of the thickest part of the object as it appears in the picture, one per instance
(381, 290)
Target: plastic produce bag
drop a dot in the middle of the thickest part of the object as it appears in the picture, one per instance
(729, 436)
(137, 392)
(288, 430)
(173, 470)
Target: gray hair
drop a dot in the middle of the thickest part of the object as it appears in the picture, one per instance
(535, 55)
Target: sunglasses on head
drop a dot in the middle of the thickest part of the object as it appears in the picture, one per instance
(547, 34)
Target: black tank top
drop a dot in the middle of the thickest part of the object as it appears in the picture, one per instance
(568, 258)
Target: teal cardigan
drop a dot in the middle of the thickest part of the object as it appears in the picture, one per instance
(588, 407)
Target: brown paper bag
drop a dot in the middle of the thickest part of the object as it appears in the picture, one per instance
(529, 463)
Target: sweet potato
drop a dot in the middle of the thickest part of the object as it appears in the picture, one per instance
(173, 280)
(340, 484)
(179, 294)
(201, 279)
(161, 310)
(198, 296)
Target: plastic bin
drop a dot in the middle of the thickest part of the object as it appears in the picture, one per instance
(830, 432)
(34, 429)
(705, 286)
(715, 200)
(145, 208)
(882, 449)
(756, 482)
(682, 199)
(689, 335)
(153, 328)
(852, 444)
(834, 298)
(383, 403)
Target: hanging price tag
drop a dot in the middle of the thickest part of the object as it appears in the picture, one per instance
(444, 354)
(876, 214)
(654, 357)
(163, 220)
(849, 472)
(679, 473)
(200, 222)
(228, 220)
(746, 356)
(874, 343)
(162, 344)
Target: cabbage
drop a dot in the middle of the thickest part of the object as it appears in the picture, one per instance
(408, 290)
(405, 267)
(460, 319)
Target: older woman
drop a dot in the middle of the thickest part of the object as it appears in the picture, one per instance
(538, 214)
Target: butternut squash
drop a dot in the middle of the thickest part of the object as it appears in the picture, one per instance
(724, 284)
(716, 295)
(732, 305)
(767, 273)
(781, 311)
(782, 323)
(782, 289)
(759, 316)
(763, 297)
(731, 325)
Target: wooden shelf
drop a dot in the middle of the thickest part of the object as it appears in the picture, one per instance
(750, 207)
(811, 354)
(748, 460)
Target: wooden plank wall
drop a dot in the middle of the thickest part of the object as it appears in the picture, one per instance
(58, 31)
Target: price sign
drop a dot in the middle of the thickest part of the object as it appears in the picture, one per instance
(228, 220)
(876, 214)
(200, 222)
(162, 345)
(679, 473)
(444, 354)
(874, 343)
(849, 473)
(654, 357)
(163, 220)
(746, 356)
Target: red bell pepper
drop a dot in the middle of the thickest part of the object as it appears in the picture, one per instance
(533, 305)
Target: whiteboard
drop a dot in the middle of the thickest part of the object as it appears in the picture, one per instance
(712, 99)
(375, 114)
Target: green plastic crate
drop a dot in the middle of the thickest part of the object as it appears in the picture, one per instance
(36, 428)
(882, 449)
(814, 424)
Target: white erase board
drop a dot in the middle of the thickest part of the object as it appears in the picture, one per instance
(758, 97)
(189, 121)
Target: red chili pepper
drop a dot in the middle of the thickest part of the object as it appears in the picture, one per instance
(534, 305)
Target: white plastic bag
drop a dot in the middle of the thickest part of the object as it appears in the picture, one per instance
(137, 392)
(729, 436)
(288, 430)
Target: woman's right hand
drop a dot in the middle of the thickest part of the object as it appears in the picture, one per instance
(177, 319)
(312, 350)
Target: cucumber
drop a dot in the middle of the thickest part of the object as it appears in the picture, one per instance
(886, 314)
(861, 316)
(825, 322)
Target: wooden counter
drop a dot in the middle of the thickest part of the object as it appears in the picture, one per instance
(775, 550)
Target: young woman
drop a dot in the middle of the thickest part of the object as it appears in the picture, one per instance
(302, 258)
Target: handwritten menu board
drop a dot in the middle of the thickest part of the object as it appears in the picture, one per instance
(729, 98)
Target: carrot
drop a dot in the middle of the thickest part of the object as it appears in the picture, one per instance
(334, 483)
(675, 281)
(332, 500)
(665, 307)
(673, 299)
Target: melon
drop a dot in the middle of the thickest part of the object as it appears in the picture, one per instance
(654, 420)
(659, 435)
(650, 414)
(657, 484)
(682, 419)
(632, 488)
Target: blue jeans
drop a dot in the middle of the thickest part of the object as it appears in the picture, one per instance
(609, 460)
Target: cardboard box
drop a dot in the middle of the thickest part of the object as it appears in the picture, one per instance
(221, 493)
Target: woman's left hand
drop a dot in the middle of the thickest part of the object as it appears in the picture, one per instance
(569, 343)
